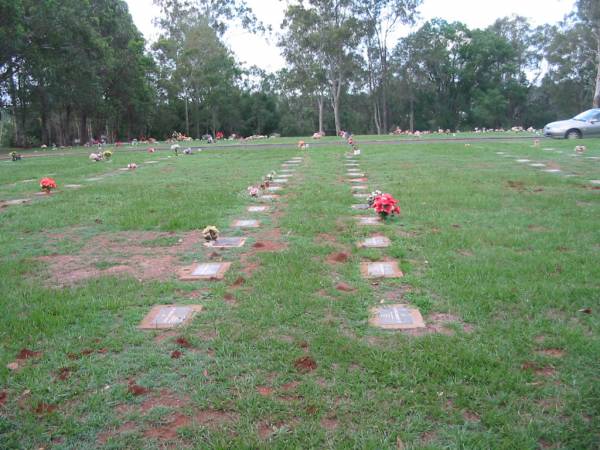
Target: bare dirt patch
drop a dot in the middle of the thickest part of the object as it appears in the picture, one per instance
(3, 397)
(551, 352)
(168, 431)
(269, 246)
(344, 287)
(265, 391)
(165, 399)
(470, 416)
(136, 389)
(305, 364)
(338, 257)
(330, 424)
(120, 253)
(215, 418)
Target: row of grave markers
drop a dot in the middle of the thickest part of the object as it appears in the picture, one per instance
(170, 316)
(391, 317)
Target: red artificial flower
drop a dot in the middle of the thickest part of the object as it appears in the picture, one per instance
(47, 183)
(220, 135)
(385, 205)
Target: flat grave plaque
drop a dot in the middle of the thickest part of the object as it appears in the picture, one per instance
(298, 158)
(383, 269)
(288, 170)
(93, 179)
(151, 162)
(368, 220)
(227, 242)
(361, 206)
(358, 195)
(359, 180)
(396, 317)
(285, 175)
(349, 164)
(360, 187)
(18, 201)
(537, 165)
(595, 181)
(592, 157)
(274, 188)
(376, 242)
(523, 160)
(269, 197)
(353, 170)
(500, 153)
(243, 223)
(205, 271)
(72, 186)
(257, 208)
(356, 175)
(552, 170)
(168, 316)
(280, 180)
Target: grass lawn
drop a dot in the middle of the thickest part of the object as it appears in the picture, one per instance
(499, 256)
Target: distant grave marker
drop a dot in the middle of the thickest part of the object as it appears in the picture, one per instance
(368, 220)
(396, 317)
(552, 170)
(93, 179)
(257, 208)
(359, 195)
(595, 182)
(72, 186)
(269, 197)
(356, 175)
(280, 180)
(359, 180)
(376, 242)
(288, 170)
(168, 316)
(523, 160)
(227, 242)
(381, 269)
(151, 162)
(360, 206)
(360, 187)
(537, 165)
(18, 201)
(353, 170)
(274, 188)
(243, 223)
(286, 175)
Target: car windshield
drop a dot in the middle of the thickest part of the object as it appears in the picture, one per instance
(587, 115)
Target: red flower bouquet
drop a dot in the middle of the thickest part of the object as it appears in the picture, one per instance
(385, 205)
(47, 184)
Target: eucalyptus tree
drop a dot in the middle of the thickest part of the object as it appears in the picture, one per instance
(380, 20)
(588, 12)
(323, 33)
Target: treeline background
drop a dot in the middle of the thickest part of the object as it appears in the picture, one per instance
(74, 70)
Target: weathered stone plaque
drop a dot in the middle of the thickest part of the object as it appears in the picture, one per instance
(269, 197)
(168, 316)
(274, 188)
(376, 242)
(537, 165)
(359, 180)
(523, 160)
(353, 170)
(356, 175)
(18, 201)
(288, 170)
(205, 271)
(286, 175)
(351, 164)
(93, 179)
(297, 158)
(227, 242)
(257, 208)
(280, 180)
(396, 317)
(244, 223)
(595, 181)
(361, 206)
(360, 187)
(358, 195)
(151, 162)
(368, 220)
(72, 186)
(500, 153)
(382, 269)
(552, 170)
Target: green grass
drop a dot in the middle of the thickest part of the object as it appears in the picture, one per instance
(509, 250)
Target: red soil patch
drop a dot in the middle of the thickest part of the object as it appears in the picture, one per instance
(265, 391)
(3, 397)
(329, 424)
(136, 389)
(470, 416)
(303, 345)
(165, 399)
(25, 353)
(290, 386)
(398, 293)
(176, 354)
(239, 281)
(305, 364)
(125, 251)
(339, 257)
(64, 373)
(546, 371)
(213, 417)
(324, 237)
(183, 342)
(552, 352)
(228, 297)
(269, 246)
(164, 336)
(169, 431)
(105, 436)
(344, 287)
(44, 408)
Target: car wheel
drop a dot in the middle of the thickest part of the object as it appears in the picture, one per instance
(573, 134)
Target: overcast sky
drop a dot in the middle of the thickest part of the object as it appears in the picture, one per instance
(263, 52)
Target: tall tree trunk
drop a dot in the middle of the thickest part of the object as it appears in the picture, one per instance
(83, 133)
(320, 105)
(336, 90)
(187, 118)
(597, 91)
(376, 117)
